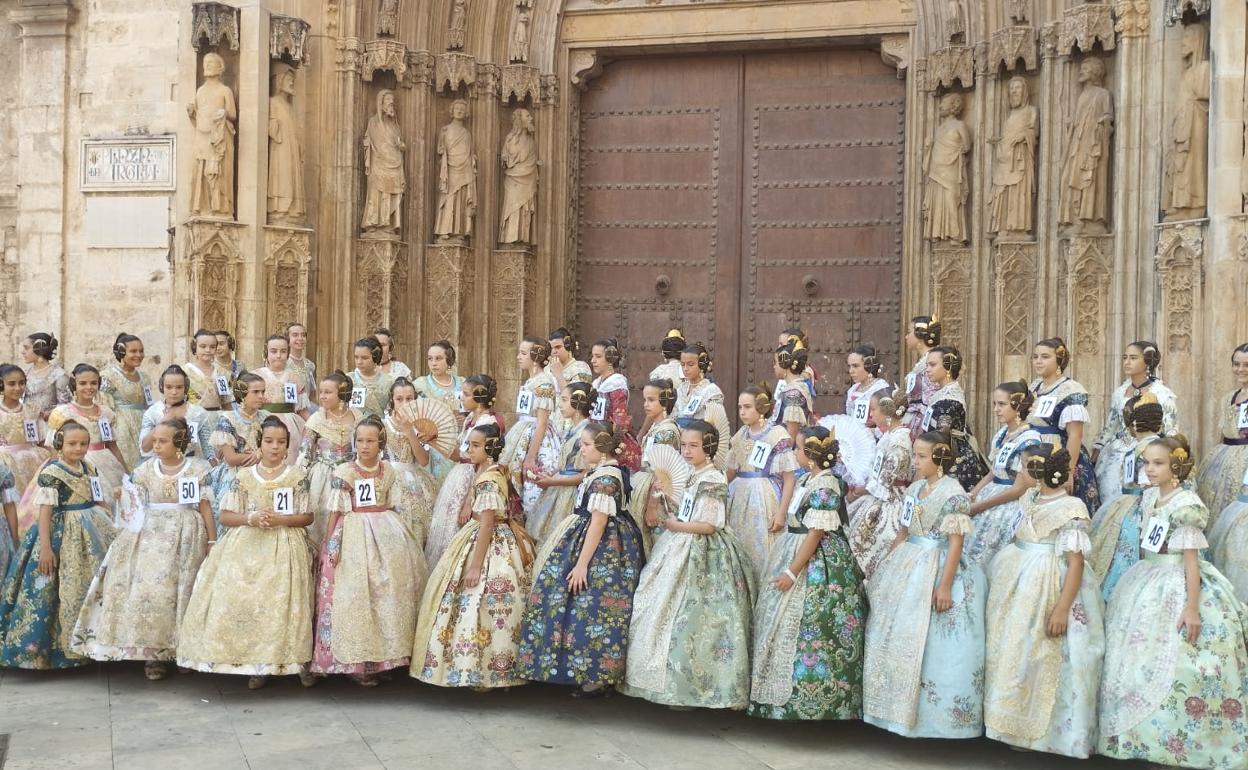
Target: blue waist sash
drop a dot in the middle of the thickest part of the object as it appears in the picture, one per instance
(78, 506)
(753, 475)
(1133, 491)
(1048, 430)
(1005, 482)
(928, 542)
(1038, 547)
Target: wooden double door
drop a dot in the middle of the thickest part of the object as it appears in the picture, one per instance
(734, 196)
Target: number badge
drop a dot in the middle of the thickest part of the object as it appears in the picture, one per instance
(188, 490)
(365, 493)
(907, 512)
(760, 454)
(357, 398)
(290, 392)
(106, 430)
(284, 501)
(97, 489)
(223, 385)
(30, 429)
(1155, 534)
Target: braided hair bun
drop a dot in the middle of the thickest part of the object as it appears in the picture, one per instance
(581, 395)
(667, 393)
(820, 446)
(604, 438)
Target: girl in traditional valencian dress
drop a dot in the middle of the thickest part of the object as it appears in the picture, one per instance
(128, 392)
(284, 392)
(689, 639)
(996, 510)
(250, 611)
(209, 382)
(21, 430)
(924, 335)
(1176, 665)
(370, 568)
(658, 400)
(326, 445)
(299, 363)
(1045, 626)
(372, 385)
(452, 507)
(671, 347)
(469, 617)
(52, 569)
(235, 437)
(532, 443)
(875, 510)
(760, 475)
(416, 461)
(795, 406)
(133, 609)
(564, 367)
(559, 490)
(695, 391)
(811, 613)
(1061, 413)
(46, 383)
(575, 628)
(173, 385)
(1116, 526)
(612, 404)
(226, 345)
(924, 670)
(389, 365)
(1228, 542)
(443, 384)
(1109, 452)
(8, 523)
(103, 453)
(795, 336)
(947, 413)
(864, 373)
(1224, 471)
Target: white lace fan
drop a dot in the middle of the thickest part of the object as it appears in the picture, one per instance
(431, 417)
(857, 446)
(671, 472)
(716, 416)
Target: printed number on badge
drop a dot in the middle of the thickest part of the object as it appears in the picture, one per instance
(1155, 534)
(1045, 407)
(878, 465)
(524, 403)
(290, 392)
(927, 419)
(106, 430)
(693, 405)
(193, 429)
(862, 410)
(1128, 469)
(97, 490)
(365, 492)
(799, 495)
(223, 384)
(31, 429)
(1243, 416)
(907, 512)
(910, 380)
(357, 398)
(188, 490)
(599, 412)
(147, 394)
(760, 454)
(284, 501)
(1003, 456)
(686, 507)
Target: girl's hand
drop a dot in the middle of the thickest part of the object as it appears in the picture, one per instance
(47, 561)
(116, 494)
(530, 469)
(266, 519)
(777, 523)
(942, 599)
(542, 482)
(472, 576)
(1190, 620)
(426, 438)
(253, 457)
(782, 582)
(1058, 621)
(578, 579)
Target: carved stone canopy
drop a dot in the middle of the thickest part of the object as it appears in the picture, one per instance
(521, 82)
(1084, 25)
(949, 64)
(1011, 44)
(385, 55)
(454, 70)
(287, 38)
(1131, 17)
(213, 22)
(1175, 9)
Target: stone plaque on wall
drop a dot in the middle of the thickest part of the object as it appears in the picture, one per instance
(140, 163)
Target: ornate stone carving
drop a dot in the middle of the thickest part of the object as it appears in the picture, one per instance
(449, 278)
(388, 18)
(550, 89)
(949, 65)
(520, 82)
(1131, 18)
(1083, 205)
(489, 80)
(1175, 9)
(895, 51)
(947, 182)
(421, 66)
(285, 202)
(1180, 254)
(1011, 44)
(383, 169)
(583, 66)
(1085, 24)
(1088, 269)
(513, 292)
(456, 28)
(955, 21)
(519, 158)
(384, 55)
(1015, 294)
(457, 177)
(213, 263)
(1014, 165)
(349, 52)
(375, 260)
(211, 23)
(1187, 175)
(287, 255)
(288, 37)
(1019, 10)
(454, 71)
(214, 113)
(518, 43)
(951, 267)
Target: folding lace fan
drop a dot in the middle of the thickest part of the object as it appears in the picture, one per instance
(432, 417)
(857, 446)
(716, 416)
(671, 472)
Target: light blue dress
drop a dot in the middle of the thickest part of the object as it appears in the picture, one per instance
(994, 528)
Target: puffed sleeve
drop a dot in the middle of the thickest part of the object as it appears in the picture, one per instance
(955, 515)
(303, 496)
(544, 397)
(47, 491)
(487, 496)
(1073, 538)
(340, 491)
(232, 500)
(711, 505)
(223, 435)
(1076, 410)
(793, 406)
(783, 458)
(603, 493)
(823, 509)
(1187, 527)
(8, 486)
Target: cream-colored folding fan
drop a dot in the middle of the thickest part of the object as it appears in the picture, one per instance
(432, 417)
(856, 446)
(671, 472)
(716, 416)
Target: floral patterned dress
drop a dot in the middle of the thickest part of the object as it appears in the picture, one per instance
(665, 432)
(103, 461)
(994, 528)
(536, 395)
(1040, 691)
(232, 428)
(453, 494)
(754, 492)
(203, 387)
(22, 432)
(689, 639)
(376, 391)
(128, 399)
(919, 391)
(262, 632)
(8, 494)
(924, 670)
(366, 602)
(1116, 526)
(1164, 700)
(419, 483)
(286, 403)
(1228, 543)
(946, 412)
(808, 640)
(38, 612)
(305, 370)
(47, 389)
(1116, 441)
(326, 445)
(692, 398)
(134, 607)
(200, 422)
(612, 406)
(582, 639)
(554, 503)
(1223, 472)
(793, 403)
(875, 518)
(470, 636)
(1055, 408)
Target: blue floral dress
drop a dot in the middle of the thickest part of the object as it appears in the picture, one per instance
(1055, 408)
(994, 528)
(1116, 526)
(1116, 441)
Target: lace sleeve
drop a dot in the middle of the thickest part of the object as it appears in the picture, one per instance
(488, 497)
(1073, 538)
(1186, 537)
(823, 510)
(603, 492)
(956, 516)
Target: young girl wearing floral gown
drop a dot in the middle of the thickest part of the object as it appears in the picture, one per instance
(452, 507)
(128, 392)
(285, 395)
(924, 335)
(1176, 665)
(811, 611)
(235, 437)
(996, 510)
(208, 383)
(864, 373)
(442, 384)
(1228, 542)
(226, 345)
(299, 363)
(1224, 471)
(370, 568)
(575, 629)
(695, 391)
(250, 611)
(49, 575)
(658, 400)
(173, 386)
(389, 365)
(612, 405)
(46, 383)
(946, 413)
(419, 465)
(133, 609)
(559, 490)
(760, 475)
(671, 347)
(532, 442)
(469, 618)
(369, 380)
(564, 367)
(1116, 526)
(1045, 627)
(1109, 452)
(875, 510)
(795, 407)
(326, 445)
(1060, 414)
(924, 667)
(21, 430)
(689, 639)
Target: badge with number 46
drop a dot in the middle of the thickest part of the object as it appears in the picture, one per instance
(365, 492)
(907, 512)
(1155, 534)
(188, 490)
(284, 501)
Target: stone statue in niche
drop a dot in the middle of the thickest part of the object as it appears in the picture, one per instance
(459, 24)
(214, 113)
(457, 177)
(519, 158)
(1014, 167)
(1187, 177)
(383, 168)
(285, 190)
(1019, 11)
(947, 188)
(955, 21)
(388, 18)
(518, 48)
(1083, 206)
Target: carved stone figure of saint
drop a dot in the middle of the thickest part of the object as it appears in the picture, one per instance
(947, 188)
(285, 191)
(518, 50)
(457, 177)
(214, 113)
(1084, 201)
(388, 18)
(955, 21)
(1014, 167)
(456, 29)
(1187, 177)
(383, 167)
(519, 158)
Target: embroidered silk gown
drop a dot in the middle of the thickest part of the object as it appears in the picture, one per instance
(326, 445)
(536, 394)
(946, 411)
(1116, 526)
(444, 521)
(47, 389)
(1116, 442)
(200, 422)
(875, 518)
(612, 406)
(286, 403)
(23, 454)
(234, 429)
(128, 399)
(1223, 471)
(1055, 408)
(754, 493)
(376, 391)
(665, 432)
(554, 503)
(994, 528)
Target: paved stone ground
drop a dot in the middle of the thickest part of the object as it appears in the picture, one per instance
(111, 717)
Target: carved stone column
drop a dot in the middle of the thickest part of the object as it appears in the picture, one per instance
(952, 269)
(377, 261)
(1015, 295)
(208, 270)
(513, 290)
(450, 272)
(287, 257)
(1180, 274)
(1086, 268)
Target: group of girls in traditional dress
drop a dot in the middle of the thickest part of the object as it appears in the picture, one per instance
(275, 522)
